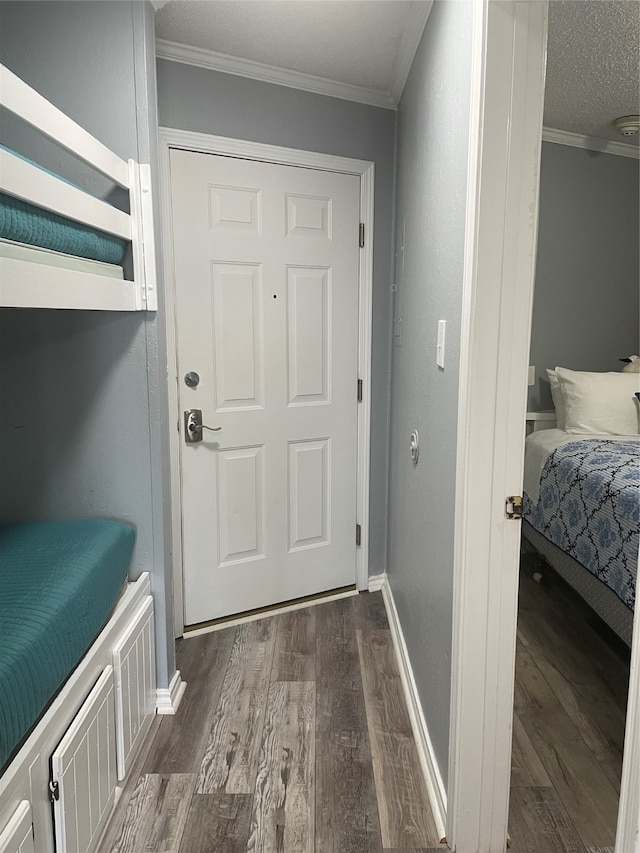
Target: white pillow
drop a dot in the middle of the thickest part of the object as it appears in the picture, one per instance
(602, 403)
(556, 396)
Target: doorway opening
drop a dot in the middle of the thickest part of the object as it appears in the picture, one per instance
(579, 558)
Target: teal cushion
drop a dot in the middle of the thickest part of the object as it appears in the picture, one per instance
(35, 226)
(59, 581)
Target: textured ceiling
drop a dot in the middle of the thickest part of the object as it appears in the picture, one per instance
(593, 66)
(351, 41)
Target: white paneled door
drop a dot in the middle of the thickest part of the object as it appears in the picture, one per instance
(266, 272)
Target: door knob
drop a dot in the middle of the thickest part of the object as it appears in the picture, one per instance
(193, 426)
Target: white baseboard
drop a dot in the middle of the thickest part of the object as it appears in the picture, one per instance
(168, 698)
(376, 582)
(435, 785)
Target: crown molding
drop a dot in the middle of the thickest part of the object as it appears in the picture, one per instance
(215, 61)
(591, 143)
(416, 22)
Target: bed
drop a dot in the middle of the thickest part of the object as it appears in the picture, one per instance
(61, 247)
(60, 581)
(582, 513)
(77, 639)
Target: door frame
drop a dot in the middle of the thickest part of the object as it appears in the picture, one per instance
(508, 76)
(505, 139)
(205, 143)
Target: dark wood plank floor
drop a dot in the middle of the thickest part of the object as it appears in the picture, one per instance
(570, 703)
(293, 736)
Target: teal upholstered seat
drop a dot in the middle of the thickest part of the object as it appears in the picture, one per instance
(58, 584)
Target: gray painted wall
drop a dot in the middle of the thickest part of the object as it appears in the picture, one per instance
(81, 428)
(210, 102)
(433, 126)
(585, 310)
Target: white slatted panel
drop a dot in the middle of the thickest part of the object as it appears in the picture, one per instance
(84, 766)
(17, 836)
(135, 678)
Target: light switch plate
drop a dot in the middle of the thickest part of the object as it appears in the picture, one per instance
(532, 375)
(442, 327)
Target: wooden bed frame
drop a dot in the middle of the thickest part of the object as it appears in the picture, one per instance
(24, 284)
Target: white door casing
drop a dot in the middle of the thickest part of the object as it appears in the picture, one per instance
(502, 216)
(172, 138)
(508, 68)
(266, 264)
(628, 828)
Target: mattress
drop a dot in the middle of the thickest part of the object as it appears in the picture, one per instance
(35, 226)
(37, 255)
(59, 582)
(583, 495)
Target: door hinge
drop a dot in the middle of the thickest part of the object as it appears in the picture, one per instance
(361, 235)
(359, 390)
(514, 506)
(54, 790)
(358, 535)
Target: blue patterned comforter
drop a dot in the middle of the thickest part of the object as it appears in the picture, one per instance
(589, 507)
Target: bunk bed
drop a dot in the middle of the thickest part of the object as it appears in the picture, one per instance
(37, 206)
(77, 656)
(582, 512)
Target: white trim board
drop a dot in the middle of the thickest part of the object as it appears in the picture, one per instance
(226, 64)
(628, 829)
(590, 143)
(376, 582)
(508, 65)
(168, 698)
(508, 61)
(221, 145)
(436, 788)
(216, 61)
(19, 98)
